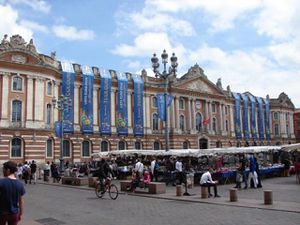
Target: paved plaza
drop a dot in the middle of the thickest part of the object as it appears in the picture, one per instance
(49, 204)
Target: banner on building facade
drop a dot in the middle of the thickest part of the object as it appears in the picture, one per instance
(161, 105)
(86, 117)
(267, 119)
(68, 77)
(57, 129)
(252, 117)
(122, 110)
(138, 123)
(260, 119)
(245, 116)
(105, 102)
(237, 117)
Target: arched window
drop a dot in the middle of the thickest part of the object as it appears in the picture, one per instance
(186, 145)
(17, 83)
(276, 129)
(49, 88)
(226, 110)
(122, 145)
(66, 148)
(16, 147)
(49, 148)
(16, 111)
(214, 125)
(156, 145)
(86, 149)
(104, 146)
(181, 103)
(198, 122)
(181, 122)
(287, 130)
(226, 125)
(154, 102)
(137, 145)
(49, 110)
(155, 122)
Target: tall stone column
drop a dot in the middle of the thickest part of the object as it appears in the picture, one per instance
(206, 114)
(147, 116)
(190, 115)
(5, 106)
(221, 117)
(193, 129)
(29, 113)
(55, 117)
(291, 125)
(39, 108)
(172, 124)
(211, 117)
(177, 113)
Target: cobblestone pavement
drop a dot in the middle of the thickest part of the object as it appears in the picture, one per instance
(51, 205)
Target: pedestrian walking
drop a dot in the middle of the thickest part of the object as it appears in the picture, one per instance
(11, 200)
(33, 168)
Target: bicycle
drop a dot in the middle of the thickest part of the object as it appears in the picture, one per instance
(108, 187)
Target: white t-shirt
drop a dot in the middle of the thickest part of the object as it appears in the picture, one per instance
(206, 178)
(152, 166)
(178, 166)
(139, 167)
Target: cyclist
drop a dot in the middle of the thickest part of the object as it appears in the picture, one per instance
(103, 172)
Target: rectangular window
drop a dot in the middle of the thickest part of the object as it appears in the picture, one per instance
(66, 148)
(213, 107)
(85, 149)
(49, 88)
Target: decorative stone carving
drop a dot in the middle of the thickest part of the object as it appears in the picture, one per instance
(16, 41)
(18, 59)
(199, 86)
(4, 43)
(31, 46)
(219, 84)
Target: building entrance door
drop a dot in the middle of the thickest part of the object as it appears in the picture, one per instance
(203, 143)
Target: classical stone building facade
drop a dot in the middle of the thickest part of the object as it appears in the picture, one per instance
(202, 114)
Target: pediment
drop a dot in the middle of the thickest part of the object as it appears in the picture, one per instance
(199, 84)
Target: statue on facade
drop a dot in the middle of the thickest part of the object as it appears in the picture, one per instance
(16, 41)
(219, 84)
(4, 43)
(31, 46)
(53, 55)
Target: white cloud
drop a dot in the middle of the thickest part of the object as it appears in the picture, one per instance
(72, 33)
(37, 5)
(10, 24)
(221, 14)
(153, 21)
(34, 26)
(250, 71)
(278, 19)
(144, 44)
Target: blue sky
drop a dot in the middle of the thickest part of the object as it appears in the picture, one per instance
(252, 45)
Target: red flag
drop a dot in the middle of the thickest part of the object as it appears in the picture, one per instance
(206, 122)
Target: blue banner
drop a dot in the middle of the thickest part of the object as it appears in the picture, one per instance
(267, 119)
(245, 116)
(122, 115)
(252, 117)
(237, 117)
(86, 117)
(260, 119)
(68, 77)
(161, 106)
(57, 129)
(138, 127)
(161, 97)
(105, 100)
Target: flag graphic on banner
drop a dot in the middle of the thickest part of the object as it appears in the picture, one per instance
(207, 121)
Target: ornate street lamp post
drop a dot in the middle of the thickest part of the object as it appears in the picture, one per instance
(63, 103)
(164, 75)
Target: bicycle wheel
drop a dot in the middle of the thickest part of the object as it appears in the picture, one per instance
(113, 192)
(98, 191)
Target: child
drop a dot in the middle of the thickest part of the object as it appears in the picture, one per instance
(147, 178)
